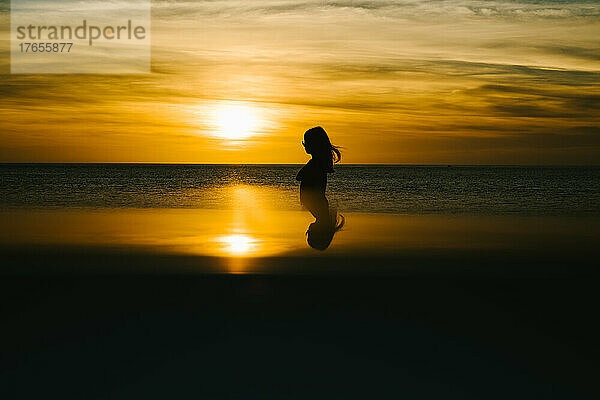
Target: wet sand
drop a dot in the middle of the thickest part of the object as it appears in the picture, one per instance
(180, 241)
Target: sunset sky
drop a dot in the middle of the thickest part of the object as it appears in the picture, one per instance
(425, 82)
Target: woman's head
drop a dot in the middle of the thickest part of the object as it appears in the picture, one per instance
(316, 143)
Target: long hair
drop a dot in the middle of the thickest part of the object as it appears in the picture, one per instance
(318, 144)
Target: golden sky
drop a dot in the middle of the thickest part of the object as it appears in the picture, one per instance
(239, 81)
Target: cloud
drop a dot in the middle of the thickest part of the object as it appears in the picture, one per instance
(540, 102)
(592, 54)
(395, 9)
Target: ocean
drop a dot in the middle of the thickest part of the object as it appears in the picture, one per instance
(452, 190)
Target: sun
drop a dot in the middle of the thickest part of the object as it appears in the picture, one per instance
(235, 122)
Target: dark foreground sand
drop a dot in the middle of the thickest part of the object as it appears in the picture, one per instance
(420, 336)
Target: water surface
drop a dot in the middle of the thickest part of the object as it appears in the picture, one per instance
(474, 190)
(249, 219)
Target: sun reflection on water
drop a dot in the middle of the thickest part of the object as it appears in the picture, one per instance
(237, 245)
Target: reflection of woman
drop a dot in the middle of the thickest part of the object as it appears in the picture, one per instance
(320, 233)
(313, 182)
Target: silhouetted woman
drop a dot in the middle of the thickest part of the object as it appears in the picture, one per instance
(313, 182)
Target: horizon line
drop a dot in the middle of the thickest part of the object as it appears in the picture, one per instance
(294, 164)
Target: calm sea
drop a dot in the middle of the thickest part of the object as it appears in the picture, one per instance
(472, 190)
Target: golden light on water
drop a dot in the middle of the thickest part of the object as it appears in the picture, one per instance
(236, 122)
(237, 245)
